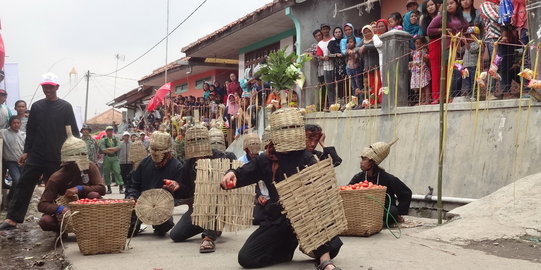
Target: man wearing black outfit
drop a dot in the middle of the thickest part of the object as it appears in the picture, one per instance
(315, 136)
(371, 157)
(45, 134)
(152, 173)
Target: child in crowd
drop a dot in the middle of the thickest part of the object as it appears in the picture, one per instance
(411, 24)
(470, 57)
(395, 21)
(353, 68)
(420, 72)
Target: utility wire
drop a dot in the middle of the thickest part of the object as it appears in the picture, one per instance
(159, 42)
(71, 89)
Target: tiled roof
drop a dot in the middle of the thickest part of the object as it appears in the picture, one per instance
(233, 24)
(169, 66)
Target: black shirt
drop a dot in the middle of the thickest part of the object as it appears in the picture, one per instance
(260, 168)
(46, 131)
(148, 176)
(329, 151)
(396, 189)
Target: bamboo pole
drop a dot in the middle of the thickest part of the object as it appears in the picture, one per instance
(439, 204)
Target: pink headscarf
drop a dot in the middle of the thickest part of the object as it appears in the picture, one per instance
(232, 107)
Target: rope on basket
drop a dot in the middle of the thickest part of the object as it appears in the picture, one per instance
(63, 230)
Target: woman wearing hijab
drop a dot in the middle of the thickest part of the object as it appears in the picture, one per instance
(382, 26)
(370, 59)
(349, 31)
(411, 25)
(231, 110)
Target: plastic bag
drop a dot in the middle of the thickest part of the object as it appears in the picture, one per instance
(535, 84)
(527, 74)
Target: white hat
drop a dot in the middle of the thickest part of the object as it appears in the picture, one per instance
(126, 133)
(49, 79)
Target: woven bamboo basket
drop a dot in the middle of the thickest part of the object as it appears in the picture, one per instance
(364, 210)
(63, 200)
(101, 228)
(252, 142)
(313, 205)
(197, 142)
(287, 130)
(217, 139)
(218, 209)
(155, 206)
(137, 153)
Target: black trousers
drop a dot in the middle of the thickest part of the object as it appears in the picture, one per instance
(184, 229)
(276, 243)
(125, 170)
(160, 229)
(22, 192)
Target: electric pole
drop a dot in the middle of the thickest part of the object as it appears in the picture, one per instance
(86, 99)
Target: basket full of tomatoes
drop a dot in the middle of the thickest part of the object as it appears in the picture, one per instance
(364, 206)
(101, 225)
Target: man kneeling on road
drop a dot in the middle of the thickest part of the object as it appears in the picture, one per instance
(159, 170)
(77, 178)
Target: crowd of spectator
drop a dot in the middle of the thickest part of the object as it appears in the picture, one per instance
(349, 61)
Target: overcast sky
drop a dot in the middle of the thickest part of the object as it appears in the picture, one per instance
(86, 34)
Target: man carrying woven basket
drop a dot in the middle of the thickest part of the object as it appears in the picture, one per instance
(274, 241)
(159, 170)
(197, 146)
(77, 178)
(397, 191)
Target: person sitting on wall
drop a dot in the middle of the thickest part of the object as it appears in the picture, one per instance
(315, 136)
(77, 178)
(397, 191)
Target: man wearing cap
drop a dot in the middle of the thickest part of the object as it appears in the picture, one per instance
(397, 191)
(45, 134)
(91, 144)
(197, 146)
(77, 178)
(5, 113)
(274, 241)
(154, 172)
(123, 155)
(109, 146)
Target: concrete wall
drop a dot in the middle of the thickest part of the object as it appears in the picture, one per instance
(475, 165)
(311, 14)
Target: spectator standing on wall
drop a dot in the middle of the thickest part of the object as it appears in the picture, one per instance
(328, 67)
(313, 53)
(429, 11)
(455, 23)
(338, 60)
(234, 85)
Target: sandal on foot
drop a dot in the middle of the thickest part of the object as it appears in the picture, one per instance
(207, 246)
(327, 263)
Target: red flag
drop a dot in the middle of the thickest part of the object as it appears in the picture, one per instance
(158, 98)
(2, 52)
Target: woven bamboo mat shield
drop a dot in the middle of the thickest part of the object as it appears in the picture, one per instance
(313, 205)
(218, 209)
(155, 206)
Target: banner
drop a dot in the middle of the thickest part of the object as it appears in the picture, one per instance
(11, 84)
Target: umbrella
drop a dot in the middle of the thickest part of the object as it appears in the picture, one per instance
(2, 52)
(158, 98)
(100, 135)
